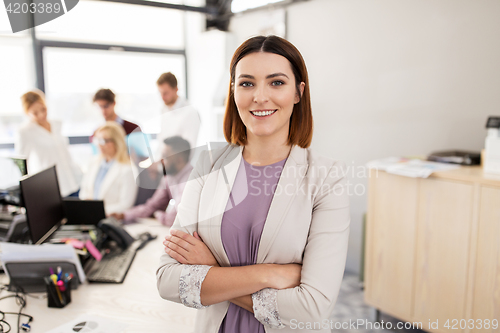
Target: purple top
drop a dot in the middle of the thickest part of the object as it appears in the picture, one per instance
(242, 227)
(171, 187)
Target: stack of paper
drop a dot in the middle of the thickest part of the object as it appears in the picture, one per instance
(410, 167)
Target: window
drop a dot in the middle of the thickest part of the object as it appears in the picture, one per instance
(17, 77)
(5, 28)
(242, 5)
(119, 24)
(72, 76)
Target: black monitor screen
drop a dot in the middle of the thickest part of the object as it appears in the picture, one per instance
(43, 202)
(13, 169)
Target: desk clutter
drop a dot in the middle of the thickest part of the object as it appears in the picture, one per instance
(26, 265)
(409, 167)
(107, 258)
(53, 255)
(58, 288)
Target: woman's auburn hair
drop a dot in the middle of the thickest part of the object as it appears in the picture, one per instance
(301, 122)
(117, 134)
(30, 98)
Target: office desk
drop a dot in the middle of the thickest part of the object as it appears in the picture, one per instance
(135, 302)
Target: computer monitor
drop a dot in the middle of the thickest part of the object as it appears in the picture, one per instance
(13, 168)
(83, 212)
(44, 205)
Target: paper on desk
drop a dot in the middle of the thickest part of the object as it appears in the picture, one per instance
(90, 323)
(410, 168)
(384, 163)
(12, 252)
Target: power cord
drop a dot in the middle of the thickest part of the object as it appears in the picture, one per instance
(20, 297)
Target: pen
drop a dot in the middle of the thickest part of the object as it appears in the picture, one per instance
(59, 273)
(54, 280)
(49, 282)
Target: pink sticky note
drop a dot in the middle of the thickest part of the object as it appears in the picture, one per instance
(76, 243)
(93, 250)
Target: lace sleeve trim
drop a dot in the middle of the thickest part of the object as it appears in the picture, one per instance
(192, 277)
(265, 308)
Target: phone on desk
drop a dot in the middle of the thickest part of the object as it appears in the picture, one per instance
(113, 231)
(115, 263)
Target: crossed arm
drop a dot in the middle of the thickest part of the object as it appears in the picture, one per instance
(233, 284)
(188, 262)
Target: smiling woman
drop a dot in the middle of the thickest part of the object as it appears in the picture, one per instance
(265, 101)
(260, 237)
(266, 78)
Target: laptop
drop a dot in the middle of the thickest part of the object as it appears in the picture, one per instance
(83, 212)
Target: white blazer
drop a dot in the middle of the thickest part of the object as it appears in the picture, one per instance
(44, 149)
(307, 223)
(118, 189)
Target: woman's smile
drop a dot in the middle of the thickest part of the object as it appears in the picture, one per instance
(265, 93)
(263, 113)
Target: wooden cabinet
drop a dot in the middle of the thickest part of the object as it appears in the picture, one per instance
(486, 289)
(391, 243)
(442, 250)
(433, 248)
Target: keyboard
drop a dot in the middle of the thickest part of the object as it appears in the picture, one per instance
(112, 268)
(115, 265)
(6, 217)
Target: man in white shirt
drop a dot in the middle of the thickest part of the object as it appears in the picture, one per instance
(178, 117)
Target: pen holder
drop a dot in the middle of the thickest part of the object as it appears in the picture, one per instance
(55, 297)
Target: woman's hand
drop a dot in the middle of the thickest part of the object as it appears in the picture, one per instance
(284, 276)
(187, 249)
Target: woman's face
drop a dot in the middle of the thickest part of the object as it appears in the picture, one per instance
(106, 145)
(38, 112)
(265, 93)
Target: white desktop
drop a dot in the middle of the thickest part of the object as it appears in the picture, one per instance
(135, 303)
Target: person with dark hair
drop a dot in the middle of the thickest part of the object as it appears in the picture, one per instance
(167, 87)
(105, 99)
(163, 204)
(178, 117)
(260, 238)
(137, 141)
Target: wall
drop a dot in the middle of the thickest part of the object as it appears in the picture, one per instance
(392, 78)
(205, 52)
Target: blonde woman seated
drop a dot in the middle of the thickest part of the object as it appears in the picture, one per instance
(110, 176)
